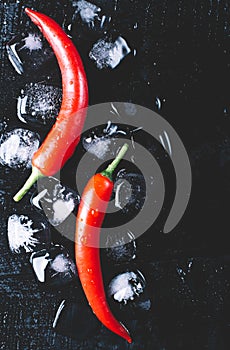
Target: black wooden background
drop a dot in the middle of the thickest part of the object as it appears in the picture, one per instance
(183, 59)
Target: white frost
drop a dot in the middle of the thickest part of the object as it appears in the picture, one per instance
(32, 42)
(99, 147)
(61, 263)
(20, 233)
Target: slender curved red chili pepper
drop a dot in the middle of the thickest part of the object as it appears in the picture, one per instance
(91, 212)
(64, 136)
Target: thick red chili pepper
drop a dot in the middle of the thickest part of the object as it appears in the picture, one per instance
(64, 136)
(91, 212)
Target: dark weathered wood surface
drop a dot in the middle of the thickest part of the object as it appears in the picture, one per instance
(183, 58)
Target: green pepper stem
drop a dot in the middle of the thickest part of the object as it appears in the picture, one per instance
(34, 176)
(112, 166)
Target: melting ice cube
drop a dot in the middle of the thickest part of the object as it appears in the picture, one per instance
(53, 265)
(121, 247)
(130, 108)
(17, 148)
(100, 143)
(98, 146)
(24, 233)
(130, 192)
(39, 104)
(87, 11)
(56, 200)
(127, 286)
(107, 54)
(88, 21)
(28, 52)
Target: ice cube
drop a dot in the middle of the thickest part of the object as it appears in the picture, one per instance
(39, 104)
(53, 266)
(86, 20)
(100, 143)
(98, 146)
(130, 108)
(17, 148)
(68, 322)
(87, 11)
(127, 286)
(27, 234)
(108, 54)
(121, 247)
(128, 295)
(130, 192)
(56, 200)
(27, 52)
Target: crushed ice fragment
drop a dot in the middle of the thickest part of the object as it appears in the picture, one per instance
(53, 265)
(226, 113)
(17, 148)
(3, 126)
(158, 103)
(108, 54)
(112, 129)
(127, 286)
(183, 272)
(190, 263)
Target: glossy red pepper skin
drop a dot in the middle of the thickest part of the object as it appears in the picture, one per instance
(91, 212)
(64, 136)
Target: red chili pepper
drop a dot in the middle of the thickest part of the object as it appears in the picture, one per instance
(91, 212)
(64, 136)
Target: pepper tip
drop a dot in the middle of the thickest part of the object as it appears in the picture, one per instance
(27, 10)
(129, 340)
